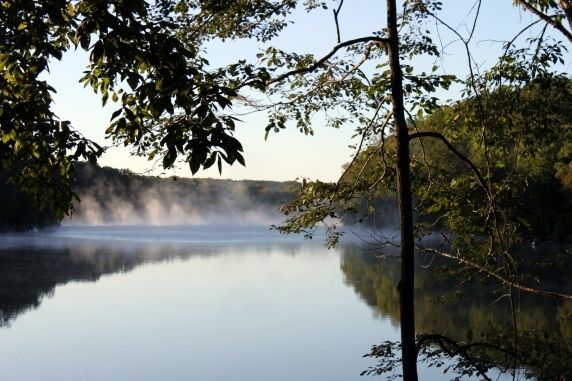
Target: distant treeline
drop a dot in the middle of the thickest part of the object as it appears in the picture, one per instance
(109, 195)
(17, 213)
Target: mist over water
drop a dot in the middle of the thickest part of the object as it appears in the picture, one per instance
(139, 237)
(151, 209)
(119, 197)
(146, 208)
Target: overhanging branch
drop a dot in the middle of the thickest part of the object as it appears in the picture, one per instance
(315, 65)
(453, 348)
(325, 58)
(546, 18)
(502, 279)
(466, 160)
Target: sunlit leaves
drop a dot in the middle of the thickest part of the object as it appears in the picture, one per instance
(262, 20)
(535, 60)
(144, 57)
(37, 150)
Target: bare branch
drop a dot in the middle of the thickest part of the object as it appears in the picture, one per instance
(422, 150)
(478, 11)
(362, 141)
(384, 124)
(336, 13)
(502, 279)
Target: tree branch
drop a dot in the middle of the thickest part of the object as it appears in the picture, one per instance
(460, 350)
(317, 64)
(546, 18)
(509, 44)
(336, 13)
(325, 58)
(466, 160)
(566, 6)
(503, 280)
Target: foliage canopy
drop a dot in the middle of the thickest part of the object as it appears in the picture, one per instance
(148, 58)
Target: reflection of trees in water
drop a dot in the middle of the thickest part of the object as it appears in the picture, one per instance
(460, 309)
(29, 274)
(378, 291)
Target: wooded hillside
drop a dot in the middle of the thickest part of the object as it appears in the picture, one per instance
(108, 195)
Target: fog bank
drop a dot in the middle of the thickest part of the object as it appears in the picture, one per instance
(109, 196)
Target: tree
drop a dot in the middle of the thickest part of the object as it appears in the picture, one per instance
(480, 211)
(149, 58)
(360, 96)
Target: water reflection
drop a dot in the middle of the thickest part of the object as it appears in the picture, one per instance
(33, 264)
(189, 299)
(460, 308)
(246, 306)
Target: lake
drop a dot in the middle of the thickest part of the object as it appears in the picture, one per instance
(206, 303)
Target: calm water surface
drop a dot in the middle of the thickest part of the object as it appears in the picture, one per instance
(189, 303)
(120, 303)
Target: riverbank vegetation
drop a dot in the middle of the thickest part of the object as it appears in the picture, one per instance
(529, 155)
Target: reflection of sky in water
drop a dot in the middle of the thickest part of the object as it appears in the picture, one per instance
(267, 309)
(183, 303)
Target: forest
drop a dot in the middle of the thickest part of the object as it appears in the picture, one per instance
(531, 154)
(112, 196)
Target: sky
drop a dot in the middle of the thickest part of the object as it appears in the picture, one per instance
(290, 155)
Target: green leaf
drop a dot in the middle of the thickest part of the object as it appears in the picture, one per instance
(133, 81)
(240, 159)
(194, 164)
(210, 161)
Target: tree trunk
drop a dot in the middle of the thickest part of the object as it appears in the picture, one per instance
(409, 351)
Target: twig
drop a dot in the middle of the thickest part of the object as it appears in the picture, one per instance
(478, 11)
(336, 13)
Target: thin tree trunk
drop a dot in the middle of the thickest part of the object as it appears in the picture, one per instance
(409, 351)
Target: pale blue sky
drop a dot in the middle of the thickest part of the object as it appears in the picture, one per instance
(290, 154)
